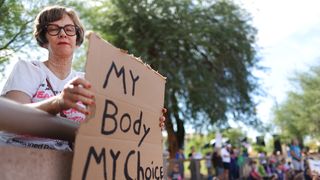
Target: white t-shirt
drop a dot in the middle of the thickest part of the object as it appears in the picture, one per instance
(31, 78)
(225, 155)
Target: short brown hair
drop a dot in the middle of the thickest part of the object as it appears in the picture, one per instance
(51, 14)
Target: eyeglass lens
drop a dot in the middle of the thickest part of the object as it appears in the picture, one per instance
(54, 30)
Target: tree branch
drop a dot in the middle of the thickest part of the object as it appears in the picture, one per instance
(15, 36)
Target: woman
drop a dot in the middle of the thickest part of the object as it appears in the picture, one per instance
(52, 85)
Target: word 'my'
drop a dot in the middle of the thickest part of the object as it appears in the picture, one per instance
(119, 73)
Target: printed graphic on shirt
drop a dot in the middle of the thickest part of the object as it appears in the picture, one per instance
(34, 142)
(44, 92)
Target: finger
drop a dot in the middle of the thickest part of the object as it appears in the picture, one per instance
(162, 126)
(80, 81)
(73, 95)
(164, 110)
(91, 110)
(82, 91)
(78, 107)
(76, 98)
(82, 109)
(162, 119)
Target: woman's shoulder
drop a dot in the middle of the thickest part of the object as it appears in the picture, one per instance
(28, 67)
(23, 64)
(25, 77)
(26, 63)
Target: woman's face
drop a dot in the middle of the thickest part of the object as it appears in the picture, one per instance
(61, 45)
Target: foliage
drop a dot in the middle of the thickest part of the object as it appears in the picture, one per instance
(206, 50)
(298, 116)
(259, 148)
(234, 136)
(198, 141)
(313, 145)
(14, 30)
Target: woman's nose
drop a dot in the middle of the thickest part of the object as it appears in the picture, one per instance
(62, 33)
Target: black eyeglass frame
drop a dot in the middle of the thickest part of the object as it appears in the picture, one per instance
(62, 27)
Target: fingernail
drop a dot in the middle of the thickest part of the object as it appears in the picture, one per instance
(89, 85)
(87, 113)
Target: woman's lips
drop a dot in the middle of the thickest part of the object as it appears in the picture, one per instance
(63, 43)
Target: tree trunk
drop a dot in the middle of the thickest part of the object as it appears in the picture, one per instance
(180, 133)
(175, 139)
(172, 139)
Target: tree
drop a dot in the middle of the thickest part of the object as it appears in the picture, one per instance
(15, 28)
(206, 49)
(299, 114)
(234, 136)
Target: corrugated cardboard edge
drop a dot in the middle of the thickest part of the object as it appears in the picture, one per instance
(138, 59)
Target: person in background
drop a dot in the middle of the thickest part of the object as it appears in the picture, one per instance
(226, 159)
(194, 166)
(209, 165)
(243, 161)
(296, 155)
(217, 162)
(254, 174)
(52, 85)
(262, 171)
(175, 174)
(234, 168)
(180, 160)
(271, 166)
(262, 158)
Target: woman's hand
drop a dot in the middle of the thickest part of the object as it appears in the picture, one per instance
(75, 91)
(162, 119)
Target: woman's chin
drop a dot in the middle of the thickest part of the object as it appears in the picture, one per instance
(65, 53)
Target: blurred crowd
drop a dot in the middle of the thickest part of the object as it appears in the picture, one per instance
(232, 163)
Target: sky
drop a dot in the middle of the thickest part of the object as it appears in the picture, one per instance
(289, 40)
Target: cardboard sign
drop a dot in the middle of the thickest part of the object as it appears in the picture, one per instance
(123, 140)
(218, 140)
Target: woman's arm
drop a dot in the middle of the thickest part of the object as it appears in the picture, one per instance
(18, 96)
(74, 91)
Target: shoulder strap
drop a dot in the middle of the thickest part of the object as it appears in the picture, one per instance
(50, 87)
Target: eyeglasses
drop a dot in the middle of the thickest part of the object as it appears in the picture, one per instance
(54, 29)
